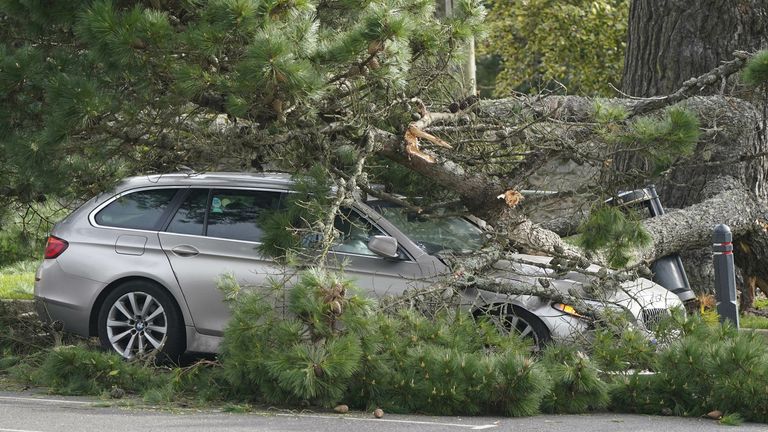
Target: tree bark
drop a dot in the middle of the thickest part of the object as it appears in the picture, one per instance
(669, 42)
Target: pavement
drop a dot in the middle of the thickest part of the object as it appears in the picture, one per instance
(33, 412)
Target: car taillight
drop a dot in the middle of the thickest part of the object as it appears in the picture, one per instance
(55, 247)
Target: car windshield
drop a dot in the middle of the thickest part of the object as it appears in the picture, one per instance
(435, 233)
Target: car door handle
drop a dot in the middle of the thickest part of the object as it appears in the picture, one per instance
(185, 251)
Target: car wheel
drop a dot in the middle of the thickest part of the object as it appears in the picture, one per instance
(515, 319)
(138, 319)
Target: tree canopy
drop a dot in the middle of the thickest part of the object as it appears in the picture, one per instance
(91, 90)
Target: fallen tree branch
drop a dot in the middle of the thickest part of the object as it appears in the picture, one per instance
(692, 86)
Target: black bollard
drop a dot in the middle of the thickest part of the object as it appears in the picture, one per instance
(725, 274)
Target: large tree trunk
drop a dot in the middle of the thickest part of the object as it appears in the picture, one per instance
(669, 42)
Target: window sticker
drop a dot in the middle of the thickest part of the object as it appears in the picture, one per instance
(216, 205)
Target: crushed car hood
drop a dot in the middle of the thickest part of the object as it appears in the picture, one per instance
(640, 296)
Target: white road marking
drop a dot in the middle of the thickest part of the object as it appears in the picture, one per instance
(16, 430)
(416, 422)
(43, 400)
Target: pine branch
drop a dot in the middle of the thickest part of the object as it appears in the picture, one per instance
(693, 85)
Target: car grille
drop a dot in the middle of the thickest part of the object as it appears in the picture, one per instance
(652, 317)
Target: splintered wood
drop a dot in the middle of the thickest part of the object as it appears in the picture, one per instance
(511, 197)
(412, 135)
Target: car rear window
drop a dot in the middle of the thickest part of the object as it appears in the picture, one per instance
(138, 210)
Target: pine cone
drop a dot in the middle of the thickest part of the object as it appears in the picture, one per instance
(336, 307)
(116, 392)
(318, 371)
(277, 105)
(354, 71)
(715, 415)
(375, 46)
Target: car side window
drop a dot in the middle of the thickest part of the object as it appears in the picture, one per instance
(354, 233)
(235, 214)
(138, 210)
(190, 217)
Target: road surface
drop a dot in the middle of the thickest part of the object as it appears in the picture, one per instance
(28, 412)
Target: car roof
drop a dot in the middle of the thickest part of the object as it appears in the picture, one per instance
(274, 179)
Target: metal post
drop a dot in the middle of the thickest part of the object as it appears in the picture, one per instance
(725, 275)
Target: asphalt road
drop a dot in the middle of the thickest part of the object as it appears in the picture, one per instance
(25, 412)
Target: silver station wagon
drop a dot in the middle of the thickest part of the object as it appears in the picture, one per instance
(138, 266)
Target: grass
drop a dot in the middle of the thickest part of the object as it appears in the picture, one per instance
(755, 321)
(733, 419)
(17, 280)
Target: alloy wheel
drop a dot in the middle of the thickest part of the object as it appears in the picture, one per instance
(136, 324)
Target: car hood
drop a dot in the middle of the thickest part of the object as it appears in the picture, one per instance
(642, 297)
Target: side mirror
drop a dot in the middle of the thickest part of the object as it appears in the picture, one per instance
(382, 245)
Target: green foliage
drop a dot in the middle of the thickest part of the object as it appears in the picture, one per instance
(639, 393)
(732, 419)
(299, 347)
(609, 113)
(17, 280)
(666, 139)
(622, 349)
(325, 346)
(451, 364)
(576, 42)
(576, 383)
(136, 86)
(711, 367)
(16, 286)
(309, 355)
(612, 231)
(23, 231)
(294, 226)
(755, 73)
(753, 321)
(75, 370)
(521, 385)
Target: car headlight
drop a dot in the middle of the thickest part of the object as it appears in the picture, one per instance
(570, 310)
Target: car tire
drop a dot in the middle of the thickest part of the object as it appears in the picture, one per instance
(512, 318)
(140, 319)
(526, 324)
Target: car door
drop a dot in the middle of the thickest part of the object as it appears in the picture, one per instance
(214, 233)
(376, 275)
